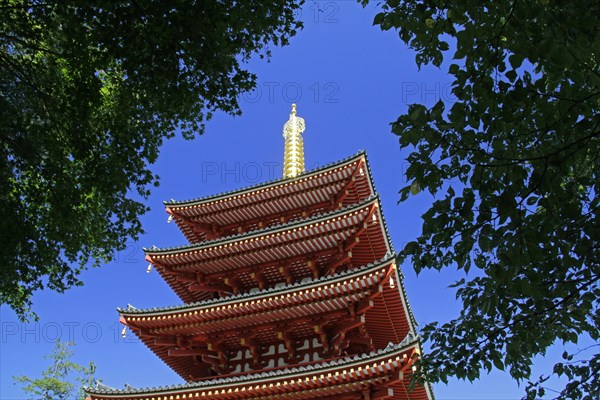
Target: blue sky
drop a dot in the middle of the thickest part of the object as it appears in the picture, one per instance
(350, 80)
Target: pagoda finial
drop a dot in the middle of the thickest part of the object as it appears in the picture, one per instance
(293, 155)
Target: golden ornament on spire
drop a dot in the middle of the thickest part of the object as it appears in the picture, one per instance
(293, 154)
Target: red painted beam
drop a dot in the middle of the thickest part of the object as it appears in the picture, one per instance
(209, 287)
(186, 277)
(165, 341)
(194, 351)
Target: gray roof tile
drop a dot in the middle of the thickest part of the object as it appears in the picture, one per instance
(260, 185)
(248, 295)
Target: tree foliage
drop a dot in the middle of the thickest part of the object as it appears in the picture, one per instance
(62, 380)
(514, 165)
(88, 92)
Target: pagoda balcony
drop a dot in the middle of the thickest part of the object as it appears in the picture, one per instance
(378, 375)
(287, 253)
(348, 313)
(325, 189)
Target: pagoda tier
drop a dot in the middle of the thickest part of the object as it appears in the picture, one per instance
(378, 375)
(348, 313)
(322, 190)
(287, 253)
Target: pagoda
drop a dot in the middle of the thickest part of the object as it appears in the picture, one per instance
(290, 290)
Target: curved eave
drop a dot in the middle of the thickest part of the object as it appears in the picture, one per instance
(385, 319)
(394, 362)
(263, 186)
(257, 234)
(405, 303)
(296, 303)
(257, 296)
(319, 237)
(344, 185)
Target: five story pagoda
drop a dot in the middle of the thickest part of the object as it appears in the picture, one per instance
(291, 291)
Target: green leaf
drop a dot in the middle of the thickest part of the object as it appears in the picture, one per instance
(498, 364)
(519, 141)
(516, 60)
(62, 380)
(92, 92)
(531, 200)
(415, 112)
(457, 283)
(511, 75)
(415, 189)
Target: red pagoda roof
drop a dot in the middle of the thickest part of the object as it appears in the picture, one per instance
(291, 291)
(191, 338)
(382, 374)
(353, 236)
(324, 189)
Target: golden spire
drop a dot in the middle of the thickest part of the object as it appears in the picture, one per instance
(293, 154)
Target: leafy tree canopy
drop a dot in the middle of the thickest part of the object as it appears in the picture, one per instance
(514, 166)
(62, 380)
(89, 89)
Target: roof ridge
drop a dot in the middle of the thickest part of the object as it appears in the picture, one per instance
(176, 203)
(385, 228)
